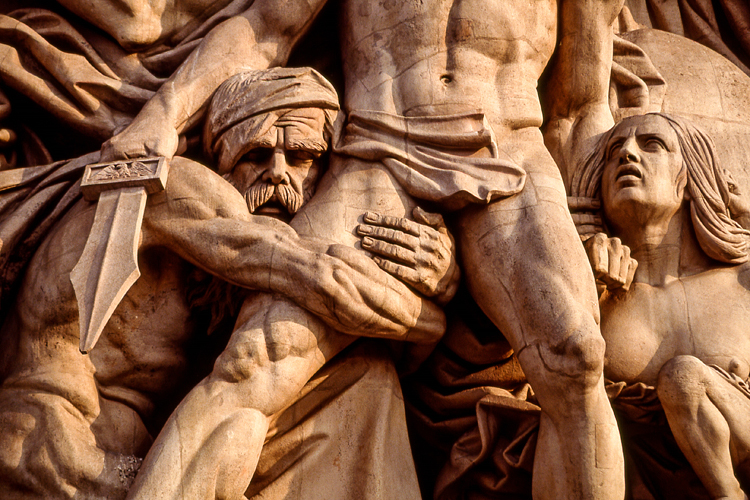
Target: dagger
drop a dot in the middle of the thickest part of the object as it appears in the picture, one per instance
(108, 266)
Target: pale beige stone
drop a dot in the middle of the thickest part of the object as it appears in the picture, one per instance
(673, 266)
(408, 68)
(70, 421)
(441, 110)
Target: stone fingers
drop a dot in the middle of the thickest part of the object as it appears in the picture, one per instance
(389, 235)
(389, 250)
(404, 273)
(398, 223)
(611, 261)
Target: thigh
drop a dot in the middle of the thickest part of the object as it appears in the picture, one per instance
(276, 345)
(275, 348)
(334, 421)
(523, 260)
(350, 188)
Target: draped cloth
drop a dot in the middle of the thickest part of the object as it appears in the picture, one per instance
(721, 25)
(636, 86)
(474, 416)
(434, 157)
(656, 467)
(32, 201)
(82, 76)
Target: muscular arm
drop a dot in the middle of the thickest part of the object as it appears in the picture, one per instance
(205, 220)
(260, 38)
(578, 104)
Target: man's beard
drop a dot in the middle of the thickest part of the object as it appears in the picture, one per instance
(259, 194)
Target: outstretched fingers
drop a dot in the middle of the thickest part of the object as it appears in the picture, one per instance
(420, 253)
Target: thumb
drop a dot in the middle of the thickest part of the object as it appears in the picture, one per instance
(431, 219)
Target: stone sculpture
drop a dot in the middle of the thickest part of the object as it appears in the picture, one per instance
(675, 266)
(77, 425)
(441, 112)
(454, 123)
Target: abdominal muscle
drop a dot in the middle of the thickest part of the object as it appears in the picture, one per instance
(456, 56)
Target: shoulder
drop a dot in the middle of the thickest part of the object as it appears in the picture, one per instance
(194, 190)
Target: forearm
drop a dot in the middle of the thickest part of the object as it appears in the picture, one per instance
(584, 55)
(259, 38)
(344, 288)
(352, 294)
(205, 220)
(225, 51)
(578, 99)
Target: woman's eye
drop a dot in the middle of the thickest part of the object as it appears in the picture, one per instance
(613, 149)
(655, 143)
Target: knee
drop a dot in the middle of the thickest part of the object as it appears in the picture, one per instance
(578, 360)
(680, 382)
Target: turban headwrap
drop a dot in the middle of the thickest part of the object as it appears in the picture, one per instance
(247, 105)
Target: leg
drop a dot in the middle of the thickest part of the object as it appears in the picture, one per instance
(526, 268)
(210, 446)
(215, 436)
(708, 417)
(345, 430)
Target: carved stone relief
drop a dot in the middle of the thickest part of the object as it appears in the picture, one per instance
(502, 255)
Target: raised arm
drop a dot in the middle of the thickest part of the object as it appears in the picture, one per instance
(205, 220)
(577, 94)
(261, 37)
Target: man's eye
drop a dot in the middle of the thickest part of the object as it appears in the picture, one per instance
(258, 155)
(301, 156)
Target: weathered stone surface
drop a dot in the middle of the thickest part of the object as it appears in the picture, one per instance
(424, 201)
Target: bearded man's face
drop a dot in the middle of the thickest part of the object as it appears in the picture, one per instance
(278, 174)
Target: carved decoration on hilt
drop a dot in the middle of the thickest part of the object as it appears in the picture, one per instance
(150, 173)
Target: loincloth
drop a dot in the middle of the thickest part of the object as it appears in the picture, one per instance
(432, 157)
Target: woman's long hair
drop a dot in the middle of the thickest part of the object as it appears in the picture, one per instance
(720, 237)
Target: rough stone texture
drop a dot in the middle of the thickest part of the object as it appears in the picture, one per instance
(429, 209)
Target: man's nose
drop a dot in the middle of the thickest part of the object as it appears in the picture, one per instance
(629, 151)
(276, 173)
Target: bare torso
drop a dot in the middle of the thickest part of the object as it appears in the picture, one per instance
(439, 57)
(705, 315)
(141, 356)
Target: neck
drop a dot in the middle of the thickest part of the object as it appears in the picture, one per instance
(665, 249)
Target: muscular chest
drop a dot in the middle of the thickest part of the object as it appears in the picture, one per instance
(506, 31)
(500, 29)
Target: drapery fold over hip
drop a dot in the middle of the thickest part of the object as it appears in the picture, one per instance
(435, 158)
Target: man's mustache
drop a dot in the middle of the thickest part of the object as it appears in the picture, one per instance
(260, 194)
